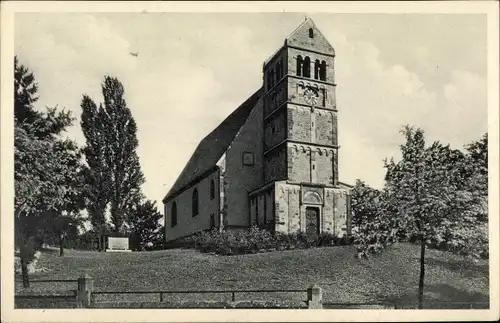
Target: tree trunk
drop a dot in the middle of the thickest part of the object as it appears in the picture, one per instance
(61, 245)
(421, 226)
(99, 238)
(422, 273)
(24, 271)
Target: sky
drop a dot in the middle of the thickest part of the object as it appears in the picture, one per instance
(194, 69)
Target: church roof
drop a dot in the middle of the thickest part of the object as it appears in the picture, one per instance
(213, 146)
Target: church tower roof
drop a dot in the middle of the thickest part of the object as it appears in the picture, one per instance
(300, 37)
(307, 36)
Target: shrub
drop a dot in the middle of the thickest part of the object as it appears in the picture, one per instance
(255, 240)
(84, 241)
(469, 240)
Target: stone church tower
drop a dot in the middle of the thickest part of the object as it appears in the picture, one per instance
(273, 162)
(300, 136)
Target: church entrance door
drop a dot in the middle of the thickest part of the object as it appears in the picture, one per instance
(312, 220)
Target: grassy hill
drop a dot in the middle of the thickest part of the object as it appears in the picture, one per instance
(391, 276)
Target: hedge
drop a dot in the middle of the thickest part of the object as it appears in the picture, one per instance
(256, 240)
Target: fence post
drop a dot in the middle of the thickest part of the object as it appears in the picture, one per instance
(84, 293)
(314, 297)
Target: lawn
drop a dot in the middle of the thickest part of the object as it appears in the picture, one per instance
(388, 277)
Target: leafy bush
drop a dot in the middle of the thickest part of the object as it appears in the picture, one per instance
(146, 233)
(467, 239)
(84, 241)
(374, 227)
(255, 240)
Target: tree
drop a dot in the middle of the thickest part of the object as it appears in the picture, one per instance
(44, 166)
(111, 132)
(42, 185)
(478, 152)
(96, 172)
(477, 166)
(68, 218)
(25, 94)
(470, 236)
(58, 228)
(62, 225)
(146, 231)
(428, 191)
(41, 125)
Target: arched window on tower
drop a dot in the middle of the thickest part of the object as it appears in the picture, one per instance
(311, 33)
(195, 203)
(282, 67)
(279, 70)
(299, 65)
(322, 71)
(307, 67)
(173, 215)
(316, 69)
(212, 189)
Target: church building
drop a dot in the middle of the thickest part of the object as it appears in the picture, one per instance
(273, 162)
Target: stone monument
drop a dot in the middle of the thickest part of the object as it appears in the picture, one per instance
(119, 244)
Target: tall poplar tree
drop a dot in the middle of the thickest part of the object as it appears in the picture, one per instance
(115, 173)
(96, 173)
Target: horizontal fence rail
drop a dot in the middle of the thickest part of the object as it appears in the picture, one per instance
(85, 297)
(233, 292)
(47, 296)
(51, 281)
(63, 298)
(46, 300)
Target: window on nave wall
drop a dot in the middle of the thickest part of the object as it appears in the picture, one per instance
(212, 189)
(195, 203)
(173, 215)
(212, 220)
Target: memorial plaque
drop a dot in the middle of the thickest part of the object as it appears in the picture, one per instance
(118, 244)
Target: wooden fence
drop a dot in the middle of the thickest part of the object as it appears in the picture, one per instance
(46, 299)
(85, 297)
